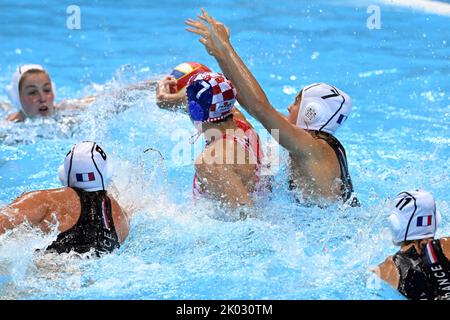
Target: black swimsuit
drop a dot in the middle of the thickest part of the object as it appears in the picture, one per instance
(424, 276)
(347, 186)
(94, 228)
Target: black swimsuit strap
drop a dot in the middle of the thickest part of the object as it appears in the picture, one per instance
(94, 229)
(347, 185)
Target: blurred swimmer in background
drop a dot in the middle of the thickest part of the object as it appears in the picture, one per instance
(32, 93)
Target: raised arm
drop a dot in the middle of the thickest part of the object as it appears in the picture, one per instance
(215, 38)
(16, 117)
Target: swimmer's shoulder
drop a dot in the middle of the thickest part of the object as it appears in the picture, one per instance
(387, 271)
(62, 193)
(39, 204)
(64, 197)
(46, 195)
(445, 245)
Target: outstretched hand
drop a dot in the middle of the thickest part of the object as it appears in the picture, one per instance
(214, 35)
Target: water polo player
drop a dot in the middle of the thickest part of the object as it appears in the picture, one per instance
(421, 268)
(318, 164)
(229, 167)
(32, 93)
(88, 218)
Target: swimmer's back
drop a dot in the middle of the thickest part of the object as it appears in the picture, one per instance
(389, 272)
(64, 205)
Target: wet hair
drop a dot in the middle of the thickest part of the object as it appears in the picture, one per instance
(298, 97)
(30, 72)
(408, 242)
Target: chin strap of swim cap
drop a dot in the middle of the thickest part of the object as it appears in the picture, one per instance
(197, 112)
(195, 137)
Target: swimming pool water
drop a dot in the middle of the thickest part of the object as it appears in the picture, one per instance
(396, 138)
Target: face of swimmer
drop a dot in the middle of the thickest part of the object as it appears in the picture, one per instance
(36, 94)
(294, 108)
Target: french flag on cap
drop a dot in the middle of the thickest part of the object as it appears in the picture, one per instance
(424, 221)
(85, 177)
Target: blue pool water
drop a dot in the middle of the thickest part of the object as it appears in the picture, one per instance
(396, 138)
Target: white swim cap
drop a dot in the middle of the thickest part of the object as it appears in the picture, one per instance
(323, 108)
(13, 88)
(414, 216)
(86, 167)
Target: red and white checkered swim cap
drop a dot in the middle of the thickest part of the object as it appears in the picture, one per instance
(211, 97)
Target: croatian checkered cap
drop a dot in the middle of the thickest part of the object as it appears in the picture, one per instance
(211, 97)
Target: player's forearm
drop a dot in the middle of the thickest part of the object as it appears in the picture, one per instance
(250, 94)
(178, 103)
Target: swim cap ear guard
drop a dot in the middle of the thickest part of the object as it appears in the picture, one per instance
(199, 95)
(312, 112)
(414, 216)
(211, 97)
(86, 167)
